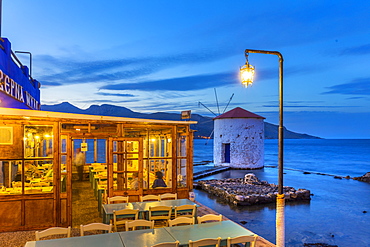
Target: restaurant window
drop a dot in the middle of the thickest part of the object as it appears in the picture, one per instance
(181, 158)
(8, 177)
(158, 162)
(63, 163)
(38, 141)
(29, 177)
(38, 176)
(125, 165)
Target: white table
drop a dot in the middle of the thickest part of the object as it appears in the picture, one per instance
(148, 237)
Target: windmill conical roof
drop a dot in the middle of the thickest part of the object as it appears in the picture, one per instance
(238, 113)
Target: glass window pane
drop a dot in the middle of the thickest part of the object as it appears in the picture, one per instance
(63, 144)
(90, 151)
(181, 173)
(38, 141)
(181, 146)
(115, 146)
(160, 173)
(132, 146)
(159, 142)
(101, 151)
(63, 172)
(10, 177)
(126, 170)
(35, 176)
(135, 182)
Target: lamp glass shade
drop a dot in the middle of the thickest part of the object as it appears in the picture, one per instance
(247, 74)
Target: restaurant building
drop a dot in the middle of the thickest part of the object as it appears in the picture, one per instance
(37, 150)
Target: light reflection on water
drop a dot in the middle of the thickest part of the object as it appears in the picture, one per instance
(335, 215)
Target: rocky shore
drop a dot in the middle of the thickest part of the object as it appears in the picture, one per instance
(364, 178)
(249, 190)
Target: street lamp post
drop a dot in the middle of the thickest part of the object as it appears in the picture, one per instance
(246, 75)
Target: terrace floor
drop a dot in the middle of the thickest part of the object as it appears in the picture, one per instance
(85, 212)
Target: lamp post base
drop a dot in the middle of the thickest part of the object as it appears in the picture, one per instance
(280, 220)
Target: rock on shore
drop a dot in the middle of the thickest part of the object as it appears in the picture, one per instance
(249, 190)
(364, 178)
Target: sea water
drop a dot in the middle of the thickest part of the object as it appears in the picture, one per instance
(339, 210)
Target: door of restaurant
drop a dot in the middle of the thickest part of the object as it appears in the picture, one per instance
(85, 184)
(125, 167)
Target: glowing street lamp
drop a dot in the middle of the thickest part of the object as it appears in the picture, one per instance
(246, 75)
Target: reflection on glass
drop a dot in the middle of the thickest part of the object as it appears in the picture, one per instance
(181, 173)
(63, 171)
(34, 176)
(164, 166)
(126, 155)
(160, 146)
(181, 146)
(115, 146)
(38, 141)
(63, 146)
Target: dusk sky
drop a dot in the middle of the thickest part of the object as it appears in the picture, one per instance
(167, 56)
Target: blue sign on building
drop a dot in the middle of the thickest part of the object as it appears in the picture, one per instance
(17, 88)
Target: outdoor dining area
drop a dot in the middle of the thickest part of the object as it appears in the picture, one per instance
(157, 220)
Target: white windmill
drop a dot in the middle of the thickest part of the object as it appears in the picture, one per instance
(238, 139)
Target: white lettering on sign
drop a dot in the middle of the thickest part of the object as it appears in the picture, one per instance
(13, 89)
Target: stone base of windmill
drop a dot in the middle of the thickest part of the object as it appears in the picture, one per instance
(250, 190)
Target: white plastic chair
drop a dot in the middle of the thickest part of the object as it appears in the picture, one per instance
(181, 221)
(150, 198)
(205, 242)
(53, 231)
(94, 227)
(139, 223)
(242, 239)
(120, 217)
(119, 199)
(209, 218)
(168, 196)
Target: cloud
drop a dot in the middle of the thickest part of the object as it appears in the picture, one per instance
(359, 86)
(103, 101)
(187, 83)
(356, 50)
(116, 94)
(66, 70)
(355, 98)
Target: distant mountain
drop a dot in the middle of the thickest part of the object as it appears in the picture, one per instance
(204, 128)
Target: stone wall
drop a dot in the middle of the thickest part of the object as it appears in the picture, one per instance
(246, 139)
